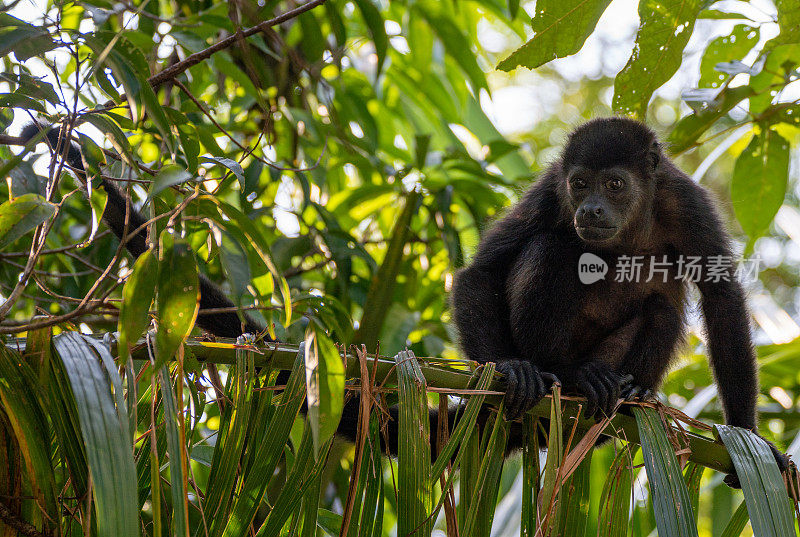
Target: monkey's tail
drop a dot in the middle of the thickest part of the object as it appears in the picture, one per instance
(348, 427)
(129, 225)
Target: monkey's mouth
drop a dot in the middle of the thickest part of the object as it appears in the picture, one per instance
(596, 233)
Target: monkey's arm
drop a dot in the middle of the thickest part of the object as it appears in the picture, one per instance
(482, 315)
(478, 298)
(724, 308)
(727, 320)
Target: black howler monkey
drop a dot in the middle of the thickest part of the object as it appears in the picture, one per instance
(612, 194)
(615, 198)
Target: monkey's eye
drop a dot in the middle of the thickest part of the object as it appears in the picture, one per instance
(578, 183)
(615, 184)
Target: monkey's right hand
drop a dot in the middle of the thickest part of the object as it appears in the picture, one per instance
(526, 385)
(602, 387)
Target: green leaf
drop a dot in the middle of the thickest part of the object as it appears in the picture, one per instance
(232, 165)
(455, 43)
(233, 439)
(22, 215)
(104, 426)
(560, 29)
(23, 39)
(415, 488)
(187, 133)
(672, 505)
(664, 31)
(548, 499)
(788, 21)
(266, 455)
(615, 499)
(137, 295)
(689, 129)
(178, 297)
(466, 423)
(530, 475)
(237, 268)
(379, 295)
(329, 522)
(169, 175)
(377, 30)
(726, 48)
(762, 484)
(737, 522)
(176, 443)
(130, 67)
(324, 385)
(484, 495)
(574, 499)
(758, 186)
(779, 67)
(18, 100)
(114, 135)
(313, 42)
(693, 474)
(304, 475)
(21, 409)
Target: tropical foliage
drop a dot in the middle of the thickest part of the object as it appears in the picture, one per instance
(332, 164)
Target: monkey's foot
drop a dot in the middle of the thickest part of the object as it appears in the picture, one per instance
(602, 388)
(634, 392)
(732, 480)
(526, 385)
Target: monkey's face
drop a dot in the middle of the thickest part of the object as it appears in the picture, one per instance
(603, 202)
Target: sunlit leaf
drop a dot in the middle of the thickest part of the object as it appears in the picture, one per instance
(559, 29)
(664, 31)
(22, 215)
(671, 502)
(762, 484)
(758, 186)
(726, 48)
(137, 296)
(414, 484)
(324, 384)
(166, 177)
(690, 128)
(178, 295)
(104, 426)
(615, 498)
(23, 39)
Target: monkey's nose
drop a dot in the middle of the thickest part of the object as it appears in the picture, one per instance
(592, 210)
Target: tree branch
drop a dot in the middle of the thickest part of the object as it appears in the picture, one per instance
(193, 59)
(13, 521)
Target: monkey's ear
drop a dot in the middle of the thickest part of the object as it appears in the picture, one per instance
(654, 155)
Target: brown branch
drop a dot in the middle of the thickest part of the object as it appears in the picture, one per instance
(193, 59)
(13, 521)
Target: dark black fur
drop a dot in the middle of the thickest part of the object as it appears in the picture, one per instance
(521, 303)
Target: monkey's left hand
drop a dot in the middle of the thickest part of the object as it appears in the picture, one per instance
(526, 385)
(732, 480)
(602, 387)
